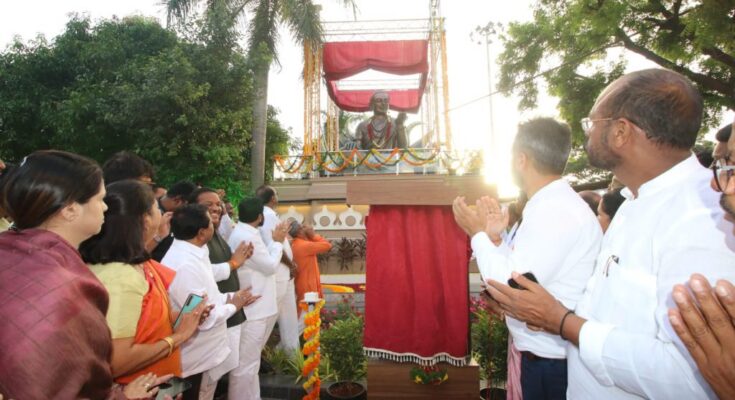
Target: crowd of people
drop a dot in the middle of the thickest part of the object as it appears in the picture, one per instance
(111, 285)
(619, 307)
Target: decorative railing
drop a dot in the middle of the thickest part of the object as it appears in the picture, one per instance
(360, 162)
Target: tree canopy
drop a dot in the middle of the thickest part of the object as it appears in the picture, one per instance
(264, 17)
(567, 44)
(132, 85)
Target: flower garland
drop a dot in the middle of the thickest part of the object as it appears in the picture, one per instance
(429, 375)
(371, 132)
(312, 322)
(291, 168)
(336, 162)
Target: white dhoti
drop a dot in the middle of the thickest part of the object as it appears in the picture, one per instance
(287, 316)
(244, 381)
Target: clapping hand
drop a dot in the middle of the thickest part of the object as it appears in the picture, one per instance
(497, 218)
(533, 304)
(242, 298)
(280, 231)
(468, 219)
(707, 330)
(241, 254)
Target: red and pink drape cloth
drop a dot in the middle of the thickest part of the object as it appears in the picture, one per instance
(399, 57)
(417, 300)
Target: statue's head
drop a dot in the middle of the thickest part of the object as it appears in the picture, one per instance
(379, 102)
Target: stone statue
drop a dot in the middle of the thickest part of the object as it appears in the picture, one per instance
(380, 131)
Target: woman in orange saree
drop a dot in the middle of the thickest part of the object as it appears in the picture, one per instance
(139, 315)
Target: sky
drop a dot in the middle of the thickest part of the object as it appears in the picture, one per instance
(467, 60)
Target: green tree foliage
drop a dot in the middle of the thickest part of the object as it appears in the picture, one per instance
(571, 39)
(264, 17)
(278, 141)
(132, 85)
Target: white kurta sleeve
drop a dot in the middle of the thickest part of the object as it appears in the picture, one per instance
(221, 271)
(541, 246)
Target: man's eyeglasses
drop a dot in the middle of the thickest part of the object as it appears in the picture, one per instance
(587, 123)
(722, 173)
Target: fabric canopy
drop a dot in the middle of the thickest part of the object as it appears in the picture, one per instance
(399, 57)
(417, 297)
(408, 100)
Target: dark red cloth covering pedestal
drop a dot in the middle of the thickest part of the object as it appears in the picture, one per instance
(416, 298)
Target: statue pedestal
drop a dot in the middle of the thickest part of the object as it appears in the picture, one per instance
(388, 379)
(391, 380)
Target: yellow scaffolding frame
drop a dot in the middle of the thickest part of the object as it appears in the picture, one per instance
(318, 137)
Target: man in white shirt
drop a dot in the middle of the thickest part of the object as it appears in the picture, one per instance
(189, 257)
(557, 240)
(224, 265)
(285, 290)
(704, 318)
(258, 272)
(642, 128)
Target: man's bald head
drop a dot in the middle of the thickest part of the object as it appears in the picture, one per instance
(663, 103)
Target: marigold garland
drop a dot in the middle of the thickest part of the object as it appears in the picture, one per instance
(337, 161)
(312, 322)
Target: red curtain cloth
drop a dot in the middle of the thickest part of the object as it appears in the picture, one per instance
(417, 295)
(399, 57)
(359, 100)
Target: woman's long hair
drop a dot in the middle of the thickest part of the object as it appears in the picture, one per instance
(121, 237)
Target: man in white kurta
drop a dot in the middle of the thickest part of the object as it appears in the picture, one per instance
(189, 257)
(642, 128)
(258, 273)
(285, 289)
(557, 240)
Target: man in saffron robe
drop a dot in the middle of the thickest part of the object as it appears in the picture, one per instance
(305, 246)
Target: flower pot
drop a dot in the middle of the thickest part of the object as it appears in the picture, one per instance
(493, 394)
(347, 390)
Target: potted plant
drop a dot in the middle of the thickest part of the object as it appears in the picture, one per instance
(490, 348)
(341, 345)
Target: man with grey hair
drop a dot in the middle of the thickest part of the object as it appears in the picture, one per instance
(557, 241)
(620, 343)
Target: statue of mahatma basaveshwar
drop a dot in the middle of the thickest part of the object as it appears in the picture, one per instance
(380, 131)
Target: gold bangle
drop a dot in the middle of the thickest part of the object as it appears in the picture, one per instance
(170, 341)
(232, 264)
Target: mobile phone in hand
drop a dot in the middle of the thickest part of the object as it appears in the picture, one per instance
(172, 387)
(529, 275)
(190, 304)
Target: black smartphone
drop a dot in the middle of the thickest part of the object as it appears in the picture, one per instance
(529, 275)
(172, 387)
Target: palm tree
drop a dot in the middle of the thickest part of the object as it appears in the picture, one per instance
(301, 17)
